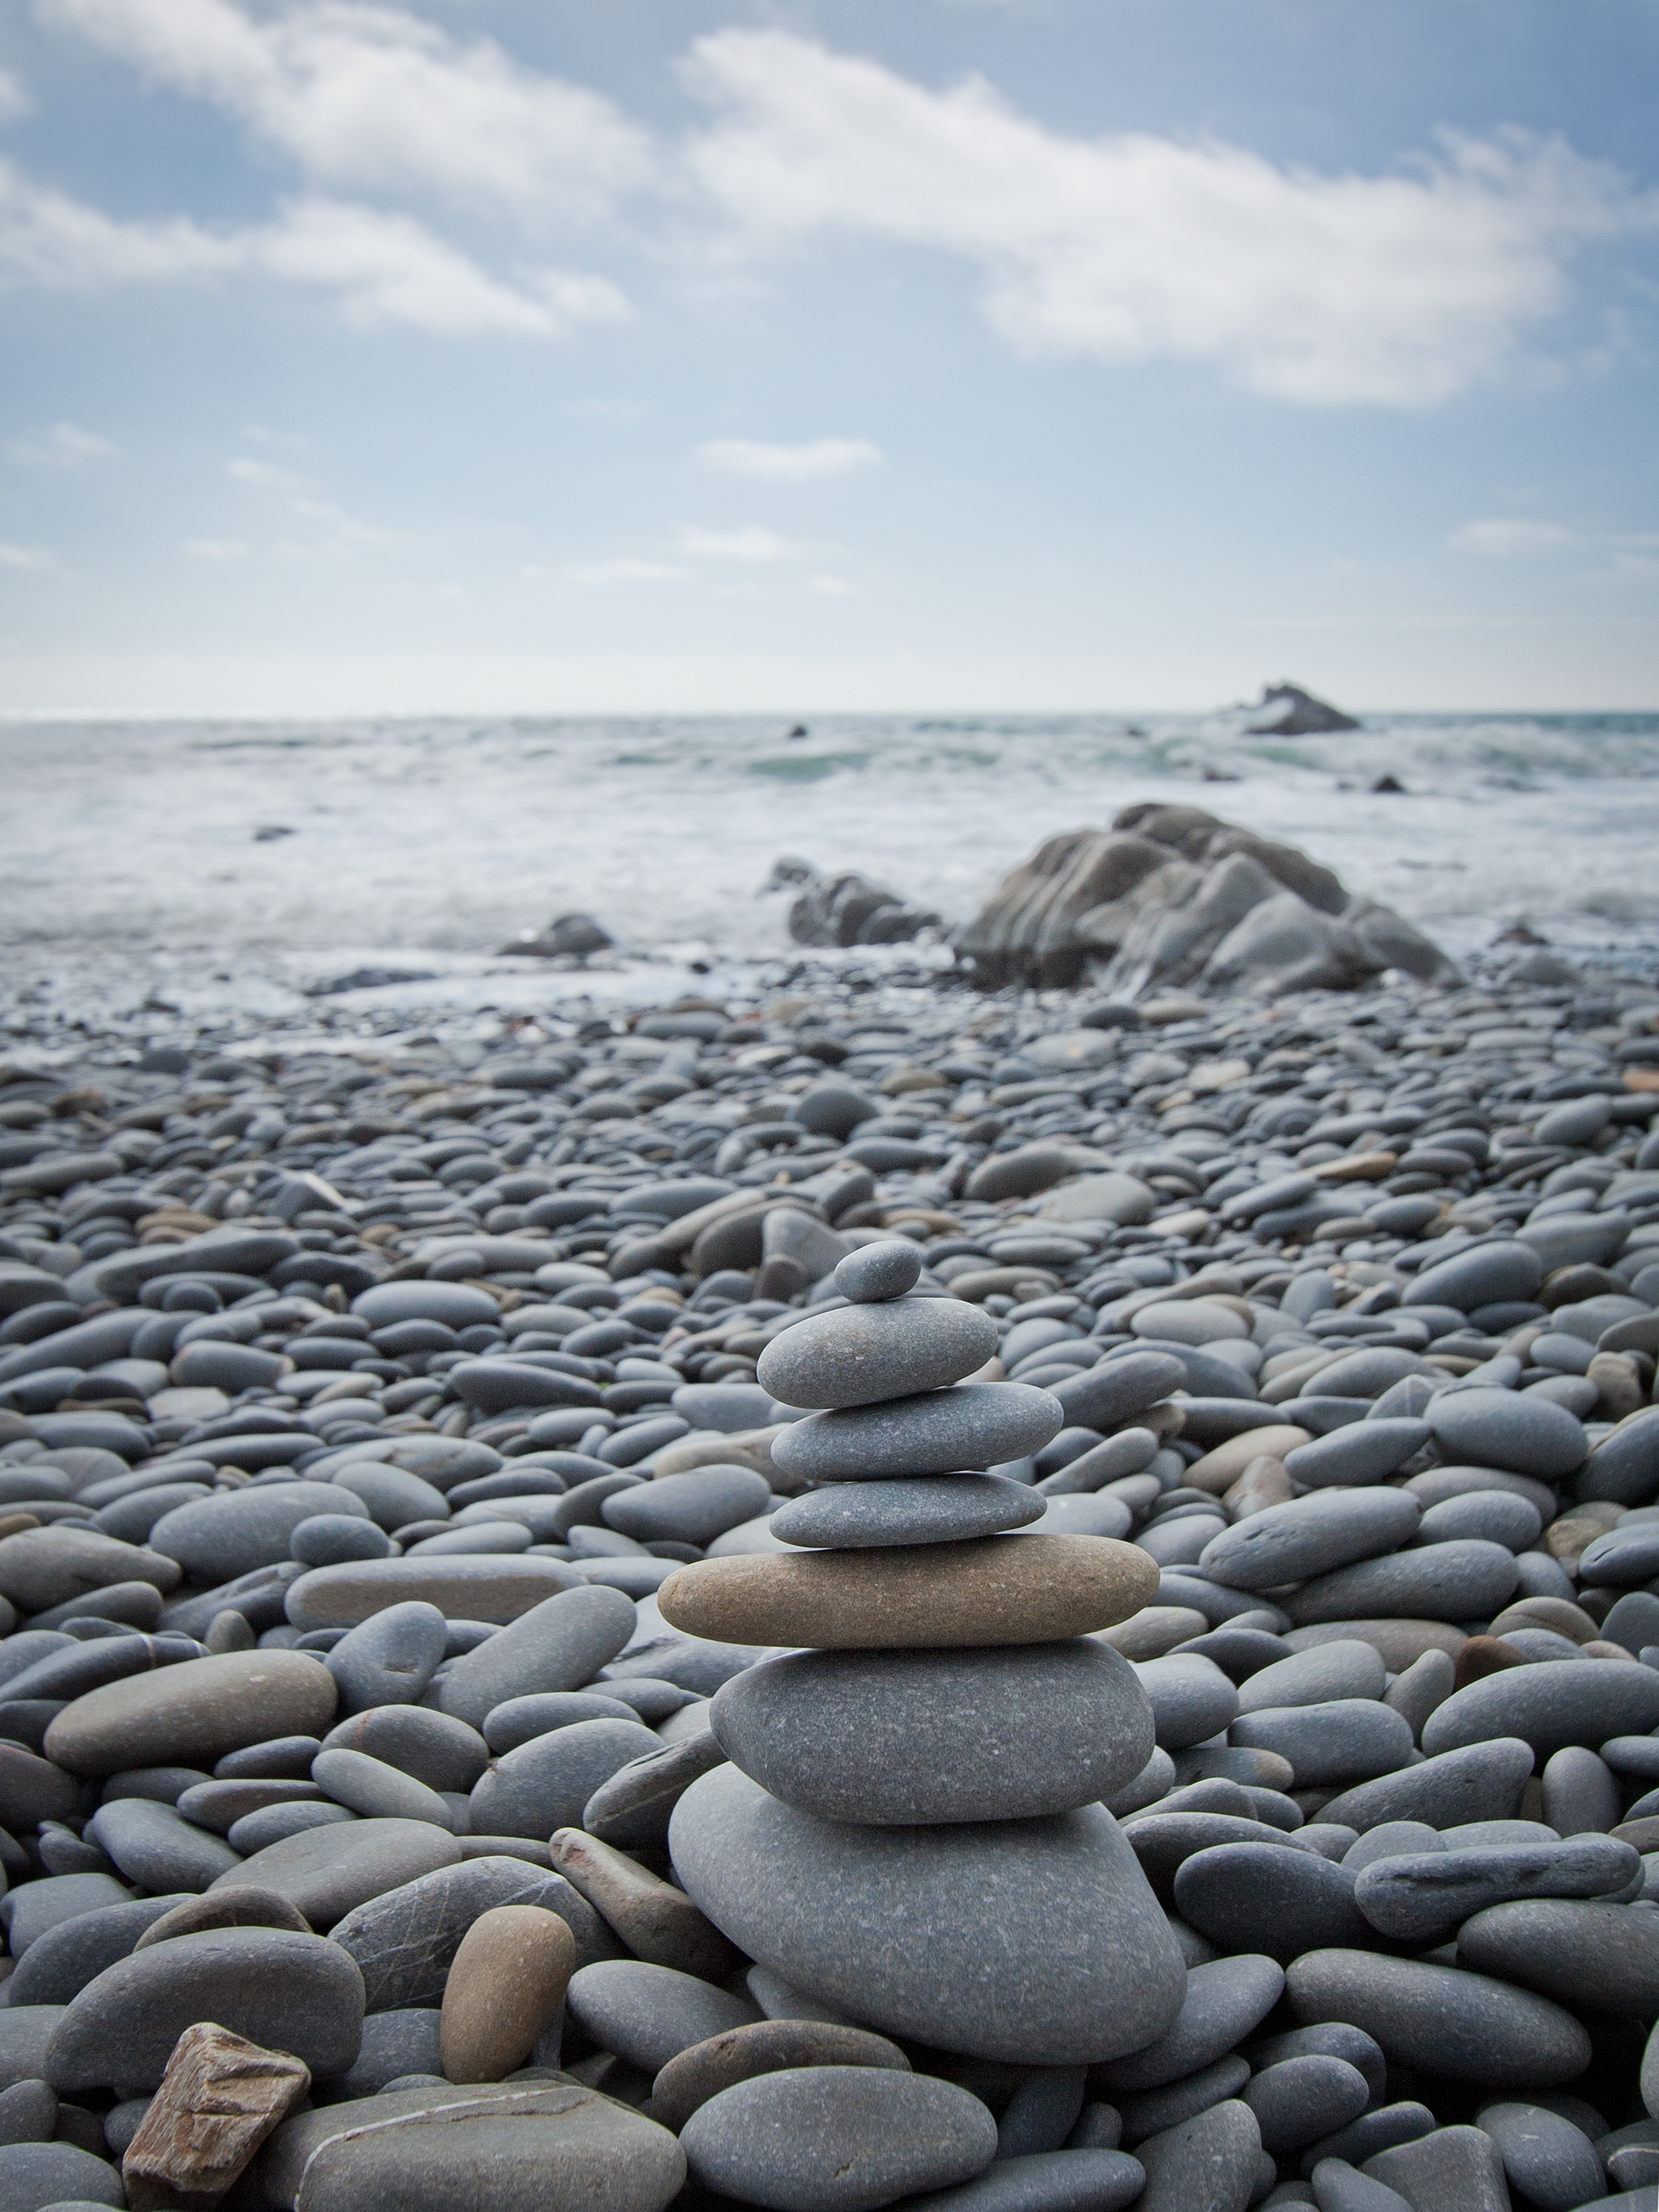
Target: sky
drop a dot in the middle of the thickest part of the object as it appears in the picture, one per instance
(682, 356)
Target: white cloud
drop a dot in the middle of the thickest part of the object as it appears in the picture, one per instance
(64, 446)
(606, 576)
(1506, 539)
(14, 100)
(1397, 290)
(30, 559)
(331, 532)
(219, 550)
(382, 269)
(809, 462)
(751, 542)
(373, 98)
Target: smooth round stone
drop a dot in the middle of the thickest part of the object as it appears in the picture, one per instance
(1423, 1898)
(244, 1907)
(274, 1824)
(216, 1537)
(1190, 1320)
(693, 1508)
(1347, 1739)
(1035, 1941)
(28, 2112)
(327, 1872)
(443, 1752)
(1223, 2001)
(634, 1806)
(394, 2044)
(857, 1354)
(40, 1568)
(1546, 2157)
(1496, 1516)
(558, 1644)
(522, 1720)
(500, 1385)
(1083, 1515)
(1570, 1701)
(1622, 1560)
(152, 1845)
(457, 1305)
(1343, 1669)
(766, 2046)
(1213, 2159)
(52, 2177)
(34, 1907)
(391, 1496)
(194, 1713)
(1357, 1454)
(1465, 1579)
(1104, 1398)
(1262, 1897)
(464, 1588)
(405, 1941)
(295, 1993)
(389, 1659)
(648, 2015)
(1585, 1953)
(1191, 1699)
(938, 1509)
(972, 1424)
(1487, 1274)
(58, 1965)
(1482, 1782)
(891, 1738)
(374, 1791)
(815, 2138)
(877, 1272)
(1299, 2100)
(997, 1590)
(506, 1985)
(1310, 1536)
(330, 1540)
(1441, 2018)
(546, 1783)
(1514, 1429)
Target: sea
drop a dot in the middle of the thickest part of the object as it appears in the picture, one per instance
(196, 866)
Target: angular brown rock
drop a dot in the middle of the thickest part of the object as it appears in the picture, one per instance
(219, 2099)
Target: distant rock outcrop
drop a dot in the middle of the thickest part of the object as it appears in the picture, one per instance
(844, 910)
(1171, 896)
(567, 937)
(1288, 711)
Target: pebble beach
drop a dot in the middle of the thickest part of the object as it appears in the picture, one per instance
(731, 1574)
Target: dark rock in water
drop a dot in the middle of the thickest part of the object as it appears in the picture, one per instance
(369, 979)
(844, 910)
(1297, 714)
(568, 936)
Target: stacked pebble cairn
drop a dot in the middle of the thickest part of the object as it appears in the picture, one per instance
(911, 1828)
(361, 1412)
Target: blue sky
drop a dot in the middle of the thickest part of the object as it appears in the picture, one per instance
(521, 355)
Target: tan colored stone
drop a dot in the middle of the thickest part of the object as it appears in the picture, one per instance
(1264, 1482)
(1569, 1537)
(658, 1923)
(748, 1447)
(1219, 1469)
(1618, 1377)
(193, 1714)
(997, 1589)
(219, 2099)
(506, 1985)
(1357, 1167)
(1559, 1613)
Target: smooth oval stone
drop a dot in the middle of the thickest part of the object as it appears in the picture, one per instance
(194, 1713)
(330, 1540)
(1347, 1739)
(59, 1964)
(1223, 2000)
(1482, 1782)
(972, 1424)
(1487, 1274)
(821, 2137)
(891, 1738)
(404, 1941)
(558, 1644)
(522, 1720)
(295, 1993)
(1496, 1515)
(504, 1990)
(1516, 1430)
(1587, 1954)
(858, 1354)
(1262, 1897)
(1077, 2179)
(55, 2176)
(444, 1753)
(875, 1272)
(1213, 2159)
(374, 1791)
(693, 1508)
(934, 1509)
(767, 2047)
(634, 1806)
(394, 2044)
(1357, 1453)
(1192, 1699)
(1465, 1579)
(1548, 2159)
(1423, 1898)
(466, 1588)
(40, 1568)
(274, 1824)
(1438, 2018)
(327, 1872)
(526, 2146)
(391, 1496)
(244, 1907)
(893, 1926)
(1343, 1669)
(1310, 1536)
(1104, 1398)
(996, 1591)
(546, 1783)
(648, 2014)
(34, 1907)
(152, 1845)
(1299, 2100)
(1570, 1701)
(232, 1532)
(1159, 2110)
(457, 1305)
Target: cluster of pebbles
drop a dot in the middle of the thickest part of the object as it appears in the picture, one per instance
(1019, 1605)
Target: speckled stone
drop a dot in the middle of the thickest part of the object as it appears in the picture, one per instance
(857, 1354)
(935, 1508)
(194, 1713)
(972, 1424)
(1461, 2025)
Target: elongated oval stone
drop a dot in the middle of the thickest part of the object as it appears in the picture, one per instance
(996, 1591)
(972, 1424)
(1441, 2018)
(860, 1353)
(192, 1715)
(1035, 1941)
(463, 1587)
